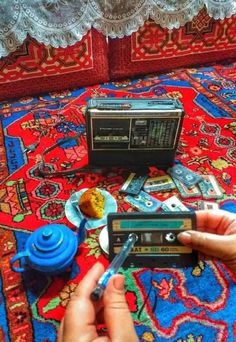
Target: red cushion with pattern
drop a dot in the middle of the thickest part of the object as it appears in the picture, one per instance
(35, 68)
(154, 49)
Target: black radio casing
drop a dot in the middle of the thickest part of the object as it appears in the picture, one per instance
(133, 131)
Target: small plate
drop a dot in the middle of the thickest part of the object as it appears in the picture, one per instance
(75, 216)
(103, 240)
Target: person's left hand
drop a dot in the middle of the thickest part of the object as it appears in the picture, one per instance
(79, 322)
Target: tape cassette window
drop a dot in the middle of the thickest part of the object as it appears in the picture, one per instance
(140, 131)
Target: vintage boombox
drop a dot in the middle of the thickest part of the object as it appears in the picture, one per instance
(128, 131)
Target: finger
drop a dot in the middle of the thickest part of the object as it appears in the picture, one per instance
(218, 246)
(116, 312)
(216, 221)
(60, 331)
(88, 283)
(79, 320)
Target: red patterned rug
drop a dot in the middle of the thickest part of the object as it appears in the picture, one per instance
(180, 306)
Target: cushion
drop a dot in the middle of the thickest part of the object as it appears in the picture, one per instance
(35, 68)
(156, 49)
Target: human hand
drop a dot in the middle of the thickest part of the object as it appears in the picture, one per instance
(215, 236)
(81, 316)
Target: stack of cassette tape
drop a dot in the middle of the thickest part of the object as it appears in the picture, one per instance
(141, 191)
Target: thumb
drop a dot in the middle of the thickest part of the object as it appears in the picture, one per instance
(218, 246)
(117, 315)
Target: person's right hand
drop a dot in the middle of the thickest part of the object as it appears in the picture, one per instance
(82, 314)
(215, 236)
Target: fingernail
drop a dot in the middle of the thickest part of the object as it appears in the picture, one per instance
(118, 283)
(185, 238)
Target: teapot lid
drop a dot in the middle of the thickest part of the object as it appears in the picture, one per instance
(51, 246)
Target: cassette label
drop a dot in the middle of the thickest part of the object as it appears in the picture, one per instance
(148, 224)
(157, 244)
(159, 250)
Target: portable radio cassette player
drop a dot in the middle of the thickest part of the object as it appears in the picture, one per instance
(140, 131)
(157, 245)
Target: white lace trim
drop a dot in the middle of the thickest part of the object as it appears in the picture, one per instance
(177, 15)
(61, 23)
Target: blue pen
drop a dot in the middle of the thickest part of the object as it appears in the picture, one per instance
(114, 267)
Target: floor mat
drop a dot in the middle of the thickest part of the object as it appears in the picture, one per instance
(180, 306)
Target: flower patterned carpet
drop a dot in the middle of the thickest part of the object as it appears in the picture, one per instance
(192, 304)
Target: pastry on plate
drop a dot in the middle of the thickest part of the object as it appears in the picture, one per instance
(92, 203)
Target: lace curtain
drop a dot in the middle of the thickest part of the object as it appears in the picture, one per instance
(64, 22)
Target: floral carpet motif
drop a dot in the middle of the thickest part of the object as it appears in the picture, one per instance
(193, 304)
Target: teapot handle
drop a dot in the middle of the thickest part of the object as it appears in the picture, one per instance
(16, 257)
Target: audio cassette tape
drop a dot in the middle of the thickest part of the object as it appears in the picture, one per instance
(184, 175)
(210, 187)
(159, 184)
(143, 202)
(157, 245)
(133, 184)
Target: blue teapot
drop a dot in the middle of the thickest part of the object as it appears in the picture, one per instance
(50, 249)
